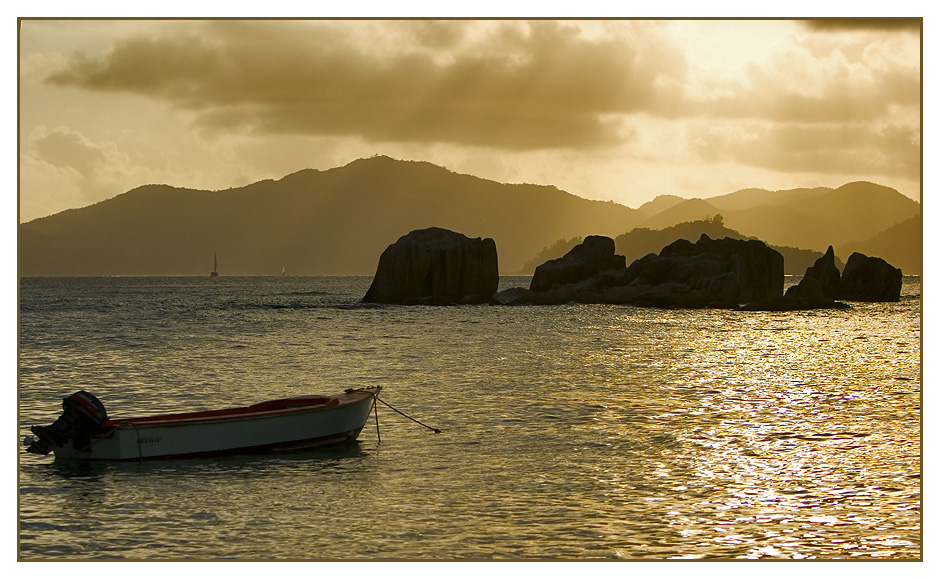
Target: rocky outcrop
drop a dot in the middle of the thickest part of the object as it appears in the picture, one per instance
(436, 267)
(593, 255)
(814, 292)
(709, 273)
(869, 279)
(865, 279)
(821, 280)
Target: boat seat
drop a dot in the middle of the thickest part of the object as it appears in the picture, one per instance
(286, 403)
(268, 406)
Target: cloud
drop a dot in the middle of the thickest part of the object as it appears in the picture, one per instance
(512, 85)
(818, 103)
(47, 189)
(817, 80)
(65, 148)
(787, 98)
(812, 148)
(78, 170)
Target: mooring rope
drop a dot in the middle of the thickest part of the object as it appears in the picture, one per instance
(375, 407)
(436, 430)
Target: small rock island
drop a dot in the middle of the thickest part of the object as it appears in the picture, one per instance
(436, 266)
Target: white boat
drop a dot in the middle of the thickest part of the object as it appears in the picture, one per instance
(84, 432)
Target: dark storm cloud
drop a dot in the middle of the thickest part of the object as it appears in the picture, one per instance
(544, 85)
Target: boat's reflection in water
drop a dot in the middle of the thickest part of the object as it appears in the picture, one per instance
(313, 458)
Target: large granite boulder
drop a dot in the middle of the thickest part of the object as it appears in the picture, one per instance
(709, 273)
(593, 255)
(436, 266)
(821, 280)
(757, 270)
(675, 277)
(869, 279)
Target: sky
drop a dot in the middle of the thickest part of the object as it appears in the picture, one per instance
(608, 109)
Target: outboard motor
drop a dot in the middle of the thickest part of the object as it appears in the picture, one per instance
(84, 414)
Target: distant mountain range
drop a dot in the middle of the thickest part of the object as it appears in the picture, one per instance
(901, 246)
(853, 215)
(309, 223)
(338, 222)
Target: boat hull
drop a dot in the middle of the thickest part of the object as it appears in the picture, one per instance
(275, 425)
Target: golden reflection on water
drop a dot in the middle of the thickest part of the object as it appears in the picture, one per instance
(785, 466)
(568, 432)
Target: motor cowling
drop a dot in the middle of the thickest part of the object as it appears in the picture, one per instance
(82, 415)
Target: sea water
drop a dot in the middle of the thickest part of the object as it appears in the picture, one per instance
(568, 432)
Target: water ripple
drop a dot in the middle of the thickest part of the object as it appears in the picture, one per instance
(576, 432)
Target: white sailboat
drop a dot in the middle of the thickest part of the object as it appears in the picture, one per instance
(215, 265)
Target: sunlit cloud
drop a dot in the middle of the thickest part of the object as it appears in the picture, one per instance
(792, 148)
(815, 80)
(64, 160)
(541, 85)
